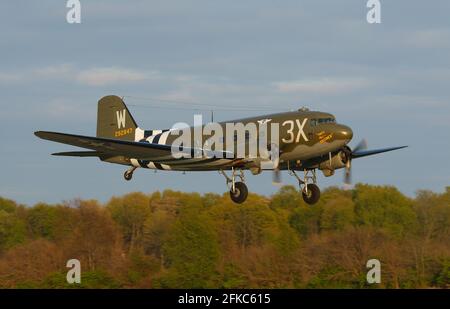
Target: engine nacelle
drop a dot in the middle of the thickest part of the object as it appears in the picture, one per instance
(339, 160)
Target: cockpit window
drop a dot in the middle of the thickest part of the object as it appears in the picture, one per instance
(326, 120)
(319, 121)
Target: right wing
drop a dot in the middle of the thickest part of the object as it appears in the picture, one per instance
(365, 153)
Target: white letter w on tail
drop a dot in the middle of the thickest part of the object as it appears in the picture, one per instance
(121, 118)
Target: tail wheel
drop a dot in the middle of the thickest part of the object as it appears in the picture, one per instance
(240, 193)
(128, 175)
(311, 196)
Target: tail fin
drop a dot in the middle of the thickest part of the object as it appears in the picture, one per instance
(114, 119)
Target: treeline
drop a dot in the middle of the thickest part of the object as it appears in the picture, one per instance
(187, 240)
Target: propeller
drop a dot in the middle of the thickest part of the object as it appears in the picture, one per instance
(348, 152)
(275, 157)
(276, 177)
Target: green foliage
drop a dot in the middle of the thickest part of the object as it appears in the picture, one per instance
(337, 214)
(210, 199)
(191, 251)
(141, 266)
(433, 213)
(8, 206)
(130, 212)
(443, 277)
(329, 277)
(286, 197)
(232, 278)
(156, 230)
(305, 220)
(12, 230)
(252, 224)
(384, 207)
(89, 280)
(287, 242)
(186, 240)
(42, 220)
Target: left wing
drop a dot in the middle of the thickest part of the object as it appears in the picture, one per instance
(106, 146)
(78, 154)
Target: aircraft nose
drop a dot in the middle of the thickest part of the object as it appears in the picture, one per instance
(344, 133)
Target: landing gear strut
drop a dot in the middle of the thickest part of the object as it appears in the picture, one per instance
(129, 173)
(308, 186)
(238, 190)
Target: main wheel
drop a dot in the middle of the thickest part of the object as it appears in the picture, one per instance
(240, 193)
(312, 196)
(128, 175)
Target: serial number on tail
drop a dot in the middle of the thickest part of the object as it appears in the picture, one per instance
(123, 132)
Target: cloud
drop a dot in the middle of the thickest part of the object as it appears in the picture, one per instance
(6, 78)
(322, 85)
(108, 76)
(54, 72)
(96, 76)
(430, 38)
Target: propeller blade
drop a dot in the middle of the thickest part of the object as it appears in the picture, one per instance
(362, 145)
(276, 177)
(348, 173)
(275, 158)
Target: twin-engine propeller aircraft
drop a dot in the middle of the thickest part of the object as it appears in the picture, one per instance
(303, 141)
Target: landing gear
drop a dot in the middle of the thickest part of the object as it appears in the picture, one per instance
(240, 193)
(311, 195)
(129, 173)
(308, 186)
(238, 190)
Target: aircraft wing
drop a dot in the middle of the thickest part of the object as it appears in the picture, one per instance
(79, 154)
(365, 153)
(106, 146)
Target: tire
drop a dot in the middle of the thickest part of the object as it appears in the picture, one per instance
(240, 193)
(313, 194)
(128, 176)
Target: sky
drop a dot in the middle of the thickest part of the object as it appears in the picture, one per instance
(390, 82)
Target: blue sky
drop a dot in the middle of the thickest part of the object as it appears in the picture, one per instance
(390, 82)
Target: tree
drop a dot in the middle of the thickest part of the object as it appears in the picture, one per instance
(7, 205)
(89, 280)
(338, 213)
(384, 207)
(29, 264)
(191, 251)
(156, 231)
(130, 212)
(287, 197)
(42, 219)
(183, 240)
(12, 230)
(95, 240)
(305, 220)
